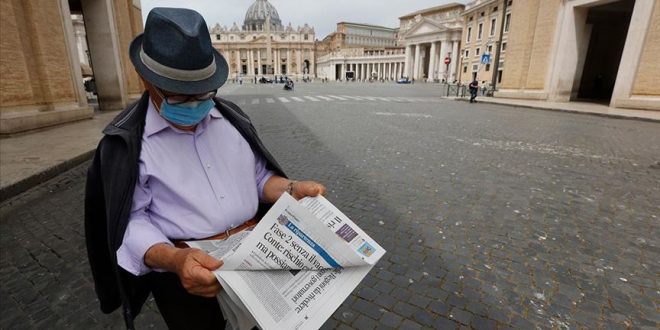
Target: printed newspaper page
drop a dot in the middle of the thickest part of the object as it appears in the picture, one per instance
(295, 268)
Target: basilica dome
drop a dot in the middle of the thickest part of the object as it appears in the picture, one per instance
(255, 17)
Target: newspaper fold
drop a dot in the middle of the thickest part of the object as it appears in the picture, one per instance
(293, 269)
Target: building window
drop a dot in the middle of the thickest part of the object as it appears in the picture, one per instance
(487, 67)
(499, 76)
(467, 53)
(217, 37)
(503, 46)
(483, 13)
(480, 31)
(495, 9)
(510, 2)
(469, 34)
(231, 38)
(306, 36)
(465, 69)
(493, 24)
(475, 67)
(477, 51)
(507, 20)
(490, 49)
(470, 19)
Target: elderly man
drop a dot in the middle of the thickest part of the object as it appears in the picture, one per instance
(179, 164)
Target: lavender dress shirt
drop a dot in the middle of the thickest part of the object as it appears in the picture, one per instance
(191, 185)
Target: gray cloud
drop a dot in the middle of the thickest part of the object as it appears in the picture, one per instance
(323, 15)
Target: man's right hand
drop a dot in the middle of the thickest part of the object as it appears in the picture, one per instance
(193, 266)
(195, 269)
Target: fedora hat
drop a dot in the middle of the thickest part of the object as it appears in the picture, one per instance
(175, 53)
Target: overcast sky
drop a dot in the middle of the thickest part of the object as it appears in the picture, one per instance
(323, 15)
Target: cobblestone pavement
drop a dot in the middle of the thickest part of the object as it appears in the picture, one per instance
(493, 216)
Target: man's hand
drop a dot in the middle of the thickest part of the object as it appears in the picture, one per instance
(303, 189)
(277, 185)
(194, 268)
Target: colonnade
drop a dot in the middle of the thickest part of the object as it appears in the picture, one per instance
(373, 70)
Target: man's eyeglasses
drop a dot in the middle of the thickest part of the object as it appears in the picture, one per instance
(183, 98)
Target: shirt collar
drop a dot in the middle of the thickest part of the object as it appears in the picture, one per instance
(155, 123)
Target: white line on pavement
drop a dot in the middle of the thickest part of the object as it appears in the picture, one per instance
(311, 98)
(283, 99)
(270, 100)
(338, 97)
(324, 98)
(255, 101)
(297, 99)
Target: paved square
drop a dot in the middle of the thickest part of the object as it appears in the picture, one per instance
(492, 216)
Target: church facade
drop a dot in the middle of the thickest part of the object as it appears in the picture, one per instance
(263, 47)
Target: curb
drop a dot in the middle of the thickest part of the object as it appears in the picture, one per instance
(43, 176)
(607, 115)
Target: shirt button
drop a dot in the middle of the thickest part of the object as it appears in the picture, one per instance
(208, 165)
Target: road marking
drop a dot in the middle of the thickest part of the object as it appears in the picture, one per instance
(283, 100)
(352, 97)
(297, 99)
(311, 98)
(418, 115)
(255, 101)
(338, 97)
(324, 98)
(270, 100)
(369, 98)
(382, 99)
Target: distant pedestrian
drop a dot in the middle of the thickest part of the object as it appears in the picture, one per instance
(483, 88)
(474, 89)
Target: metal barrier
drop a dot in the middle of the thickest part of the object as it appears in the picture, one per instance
(458, 90)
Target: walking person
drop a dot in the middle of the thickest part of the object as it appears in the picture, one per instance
(483, 88)
(474, 89)
(179, 164)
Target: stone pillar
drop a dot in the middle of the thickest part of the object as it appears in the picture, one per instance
(105, 53)
(432, 61)
(250, 65)
(416, 65)
(41, 74)
(454, 61)
(312, 64)
(288, 61)
(259, 71)
(299, 61)
(239, 65)
(406, 68)
(444, 49)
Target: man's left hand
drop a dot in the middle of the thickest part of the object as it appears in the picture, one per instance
(303, 189)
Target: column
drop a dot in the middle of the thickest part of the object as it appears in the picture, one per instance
(416, 65)
(343, 71)
(299, 61)
(288, 61)
(238, 63)
(250, 65)
(432, 62)
(454, 61)
(444, 48)
(276, 61)
(406, 68)
(259, 62)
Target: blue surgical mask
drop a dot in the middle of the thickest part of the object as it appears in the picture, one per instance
(186, 114)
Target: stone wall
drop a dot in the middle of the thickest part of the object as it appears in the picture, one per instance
(646, 81)
(35, 65)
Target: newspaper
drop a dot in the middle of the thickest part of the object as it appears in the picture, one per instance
(293, 269)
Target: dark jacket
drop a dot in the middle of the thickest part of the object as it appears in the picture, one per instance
(109, 191)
